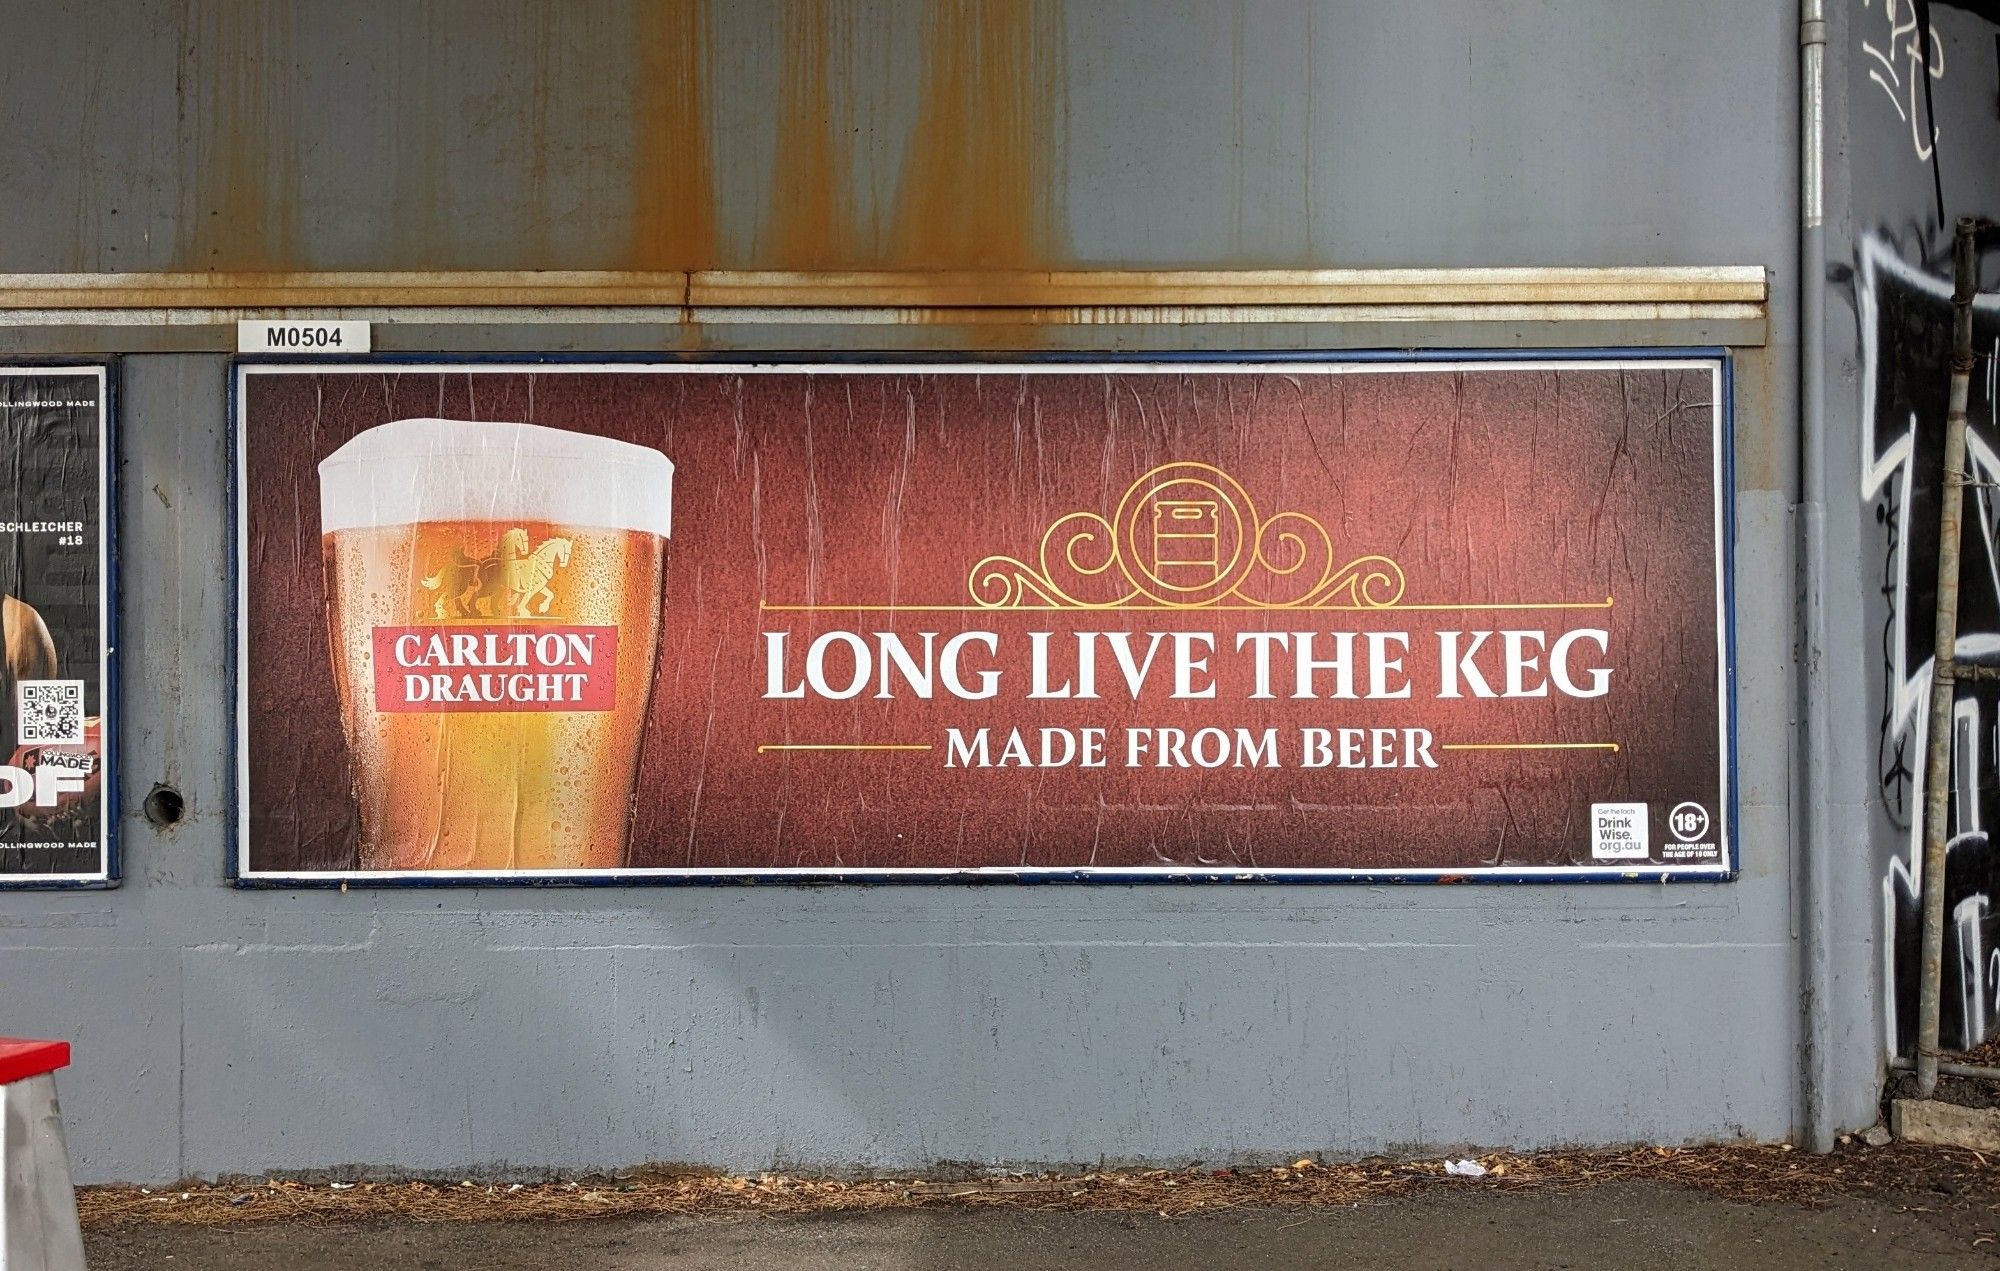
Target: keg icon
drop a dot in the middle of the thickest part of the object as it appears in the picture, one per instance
(1187, 541)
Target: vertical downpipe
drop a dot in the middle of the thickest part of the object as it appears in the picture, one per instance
(1815, 887)
(1944, 664)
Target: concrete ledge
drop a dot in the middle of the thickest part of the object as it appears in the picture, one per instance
(1945, 1124)
(1729, 288)
(887, 310)
(924, 289)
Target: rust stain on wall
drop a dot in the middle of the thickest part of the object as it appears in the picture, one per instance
(812, 219)
(980, 183)
(544, 28)
(235, 95)
(419, 149)
(673, 214)
(980, 186)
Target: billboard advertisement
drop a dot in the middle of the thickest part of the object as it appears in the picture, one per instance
(55, 627)
(1310, 620)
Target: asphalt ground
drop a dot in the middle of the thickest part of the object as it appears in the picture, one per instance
(1615, 1225)
(1689, 1208)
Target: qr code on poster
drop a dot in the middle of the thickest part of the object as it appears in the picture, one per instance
(50, 712)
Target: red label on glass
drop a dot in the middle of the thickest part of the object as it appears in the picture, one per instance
(495, 668)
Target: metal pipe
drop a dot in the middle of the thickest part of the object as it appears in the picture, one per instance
(1979, 1071)
(1812, 112)
(1944, 678)
(1814, 879)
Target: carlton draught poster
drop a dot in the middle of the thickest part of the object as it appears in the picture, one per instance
(1411, 619)
(54, 626)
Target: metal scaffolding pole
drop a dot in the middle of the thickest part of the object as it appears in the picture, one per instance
(1944, 663)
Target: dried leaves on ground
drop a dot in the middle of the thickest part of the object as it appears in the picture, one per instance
(1751, 1174)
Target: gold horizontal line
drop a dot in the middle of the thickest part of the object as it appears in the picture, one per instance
(1532, 287)
(765, 749)
(1530, 745)
(1272, 609)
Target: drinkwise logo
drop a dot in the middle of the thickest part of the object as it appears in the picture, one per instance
(1618, 832)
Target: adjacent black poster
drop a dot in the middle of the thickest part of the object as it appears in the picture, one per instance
(55, 683)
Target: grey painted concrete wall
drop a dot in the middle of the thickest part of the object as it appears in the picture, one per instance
(494, 134)
(222, 1031)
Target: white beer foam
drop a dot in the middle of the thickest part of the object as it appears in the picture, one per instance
(415, 470)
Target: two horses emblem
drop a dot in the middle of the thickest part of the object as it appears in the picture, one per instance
(504, 585)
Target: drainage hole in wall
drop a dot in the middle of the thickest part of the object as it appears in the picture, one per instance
(164, 806)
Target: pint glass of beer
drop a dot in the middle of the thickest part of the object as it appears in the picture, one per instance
(494, 597)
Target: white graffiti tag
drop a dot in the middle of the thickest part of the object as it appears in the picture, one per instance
(1905, 56)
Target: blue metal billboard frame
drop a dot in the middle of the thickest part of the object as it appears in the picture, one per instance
(110, 776)
(1725, 871)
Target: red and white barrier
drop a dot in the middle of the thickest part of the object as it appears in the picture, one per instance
(38, 1230)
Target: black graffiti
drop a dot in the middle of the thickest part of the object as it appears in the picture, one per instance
(1969, 991)
(1892, 745)
(1905, 340)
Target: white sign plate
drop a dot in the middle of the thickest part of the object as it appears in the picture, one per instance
(260, 336)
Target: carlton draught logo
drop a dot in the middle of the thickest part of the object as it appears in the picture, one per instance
(496, 668)
(481, 666)
(504, 582)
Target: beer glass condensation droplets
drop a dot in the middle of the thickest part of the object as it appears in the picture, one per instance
(494, 599)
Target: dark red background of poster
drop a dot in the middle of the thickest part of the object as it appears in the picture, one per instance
(1487, 484)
